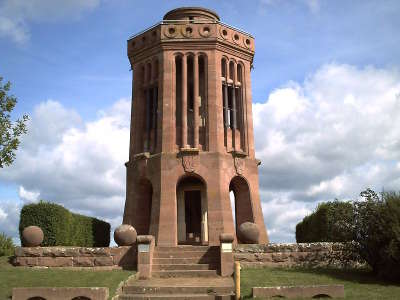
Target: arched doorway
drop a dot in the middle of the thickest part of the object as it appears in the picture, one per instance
(191, 196)
(243, 211)
(143, 215)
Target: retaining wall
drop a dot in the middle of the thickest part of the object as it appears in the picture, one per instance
(107, 257)
(302, 254)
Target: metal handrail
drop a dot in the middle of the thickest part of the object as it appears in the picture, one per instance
(189, 22)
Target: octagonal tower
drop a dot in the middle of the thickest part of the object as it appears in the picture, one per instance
(191, 138)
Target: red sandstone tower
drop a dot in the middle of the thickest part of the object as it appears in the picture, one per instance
(191, 140)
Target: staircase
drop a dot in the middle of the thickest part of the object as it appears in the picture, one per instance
(182, 272)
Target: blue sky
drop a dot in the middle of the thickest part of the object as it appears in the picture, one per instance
(68, 66)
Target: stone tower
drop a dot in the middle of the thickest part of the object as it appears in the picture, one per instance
(191, 138)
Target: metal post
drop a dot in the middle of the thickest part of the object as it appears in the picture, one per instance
(237, 280)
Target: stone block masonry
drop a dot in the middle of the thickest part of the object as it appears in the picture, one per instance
(252, 255)
(290, 255)
(76, 257)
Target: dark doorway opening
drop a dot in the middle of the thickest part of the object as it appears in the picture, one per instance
(243, 211)
(193, 216)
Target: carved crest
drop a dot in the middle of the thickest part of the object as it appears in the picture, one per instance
(189, 163)
(239, 165)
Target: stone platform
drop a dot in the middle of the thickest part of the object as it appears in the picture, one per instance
(179, 288)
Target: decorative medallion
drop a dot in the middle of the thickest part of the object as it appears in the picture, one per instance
(247, 43)
(239, 165)
(236, 38)
(189, 163)
(205, 31)
(170, 31)
(223, 32)
(187, 31)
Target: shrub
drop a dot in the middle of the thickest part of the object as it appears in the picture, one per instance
(6, 245)
(328, 223)
(63, 228)
(371, 227)
(376, 230)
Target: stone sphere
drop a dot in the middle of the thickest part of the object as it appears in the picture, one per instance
(32, 236)
(248, 233)
(125, 235)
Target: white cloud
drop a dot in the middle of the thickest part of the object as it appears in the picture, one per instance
(9, 218)
(3, 215)
(329, 137)
(74, 163)
(16, 15)
(28, 196)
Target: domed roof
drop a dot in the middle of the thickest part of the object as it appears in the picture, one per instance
(191, 13)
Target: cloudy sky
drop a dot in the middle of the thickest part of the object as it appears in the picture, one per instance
(326, 101)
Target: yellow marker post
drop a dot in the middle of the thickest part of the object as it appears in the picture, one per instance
(237, 280)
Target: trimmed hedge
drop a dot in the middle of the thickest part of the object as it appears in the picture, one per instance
(63, 228)
(328, 223)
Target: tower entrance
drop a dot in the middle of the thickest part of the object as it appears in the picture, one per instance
(192, 211)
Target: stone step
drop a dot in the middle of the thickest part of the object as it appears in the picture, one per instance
(162, 267)
(172, 297)
(187, 260)
(186, 248)
(183, 254)
(176, 290)
(184, 273)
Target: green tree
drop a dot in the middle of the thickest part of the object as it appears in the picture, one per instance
(10, 131)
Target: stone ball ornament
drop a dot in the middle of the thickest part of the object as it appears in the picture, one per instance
(32, 236)
(125, 235)
(248, 233)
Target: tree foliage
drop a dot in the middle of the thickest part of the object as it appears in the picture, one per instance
(376, 232)
(371, 227)
(10, 131)
(328, 223)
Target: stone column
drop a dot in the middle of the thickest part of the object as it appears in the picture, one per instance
(226, 254)
(145, 244)
(167, 104)
(196, 103)
(184, 102)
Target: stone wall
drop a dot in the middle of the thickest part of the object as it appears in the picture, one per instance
(288, 255)
(107, 257)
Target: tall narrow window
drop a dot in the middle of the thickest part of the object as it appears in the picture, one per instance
(225, 104)
(203, 111)
(190, 100)
(223, 68)
(178, 100)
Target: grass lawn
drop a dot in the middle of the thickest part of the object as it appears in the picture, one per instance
(358, 284)
(11, 277)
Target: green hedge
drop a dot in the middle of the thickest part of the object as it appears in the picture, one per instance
(328, 223)
(63, 228)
